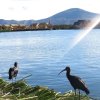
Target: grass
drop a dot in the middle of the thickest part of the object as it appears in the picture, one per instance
(21, 91)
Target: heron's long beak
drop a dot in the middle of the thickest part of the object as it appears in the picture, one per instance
(62, 71)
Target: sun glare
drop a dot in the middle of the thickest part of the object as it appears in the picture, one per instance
(85, 32)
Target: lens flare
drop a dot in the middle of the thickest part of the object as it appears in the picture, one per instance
(85, 32)
(81, 35)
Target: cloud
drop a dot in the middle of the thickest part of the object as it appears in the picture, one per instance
(21, 0)
(24, 8)
(38, 9)
(11, 8)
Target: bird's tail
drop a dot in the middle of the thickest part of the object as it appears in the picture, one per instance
(10, 77)
(87, 91)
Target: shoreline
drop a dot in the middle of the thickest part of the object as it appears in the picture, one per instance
(20, 90)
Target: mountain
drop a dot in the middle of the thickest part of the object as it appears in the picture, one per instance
(70, 16)
(24, 22)
(65, 17)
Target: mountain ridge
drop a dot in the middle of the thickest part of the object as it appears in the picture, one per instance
(68, 16)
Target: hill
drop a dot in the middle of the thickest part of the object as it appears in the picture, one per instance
(70, 16)
(65, 17)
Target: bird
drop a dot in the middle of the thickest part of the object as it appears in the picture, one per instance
(13, 71)
(76, 82)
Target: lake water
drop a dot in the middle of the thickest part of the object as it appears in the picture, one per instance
(45, 53)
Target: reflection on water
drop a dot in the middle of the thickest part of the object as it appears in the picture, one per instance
(44, 54)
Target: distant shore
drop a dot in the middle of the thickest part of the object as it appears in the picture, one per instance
(80, 24)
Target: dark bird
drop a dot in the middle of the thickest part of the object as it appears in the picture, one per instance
(13, 71)
(76, 82)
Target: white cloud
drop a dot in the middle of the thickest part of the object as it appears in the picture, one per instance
(37, 9)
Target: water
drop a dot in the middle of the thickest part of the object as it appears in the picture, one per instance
(44, 54)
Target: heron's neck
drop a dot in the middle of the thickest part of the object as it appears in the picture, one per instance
(68, 73)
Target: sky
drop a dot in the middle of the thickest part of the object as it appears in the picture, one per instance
(39, 9)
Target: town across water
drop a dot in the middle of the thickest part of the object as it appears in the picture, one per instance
(45, 53)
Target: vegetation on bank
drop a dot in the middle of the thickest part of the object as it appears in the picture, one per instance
(80, 24)
(20, 90)
(34, 27)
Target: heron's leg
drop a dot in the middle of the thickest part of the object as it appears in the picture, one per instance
(12, 80)
(15, 79)
(75, 92)
(79, 94)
